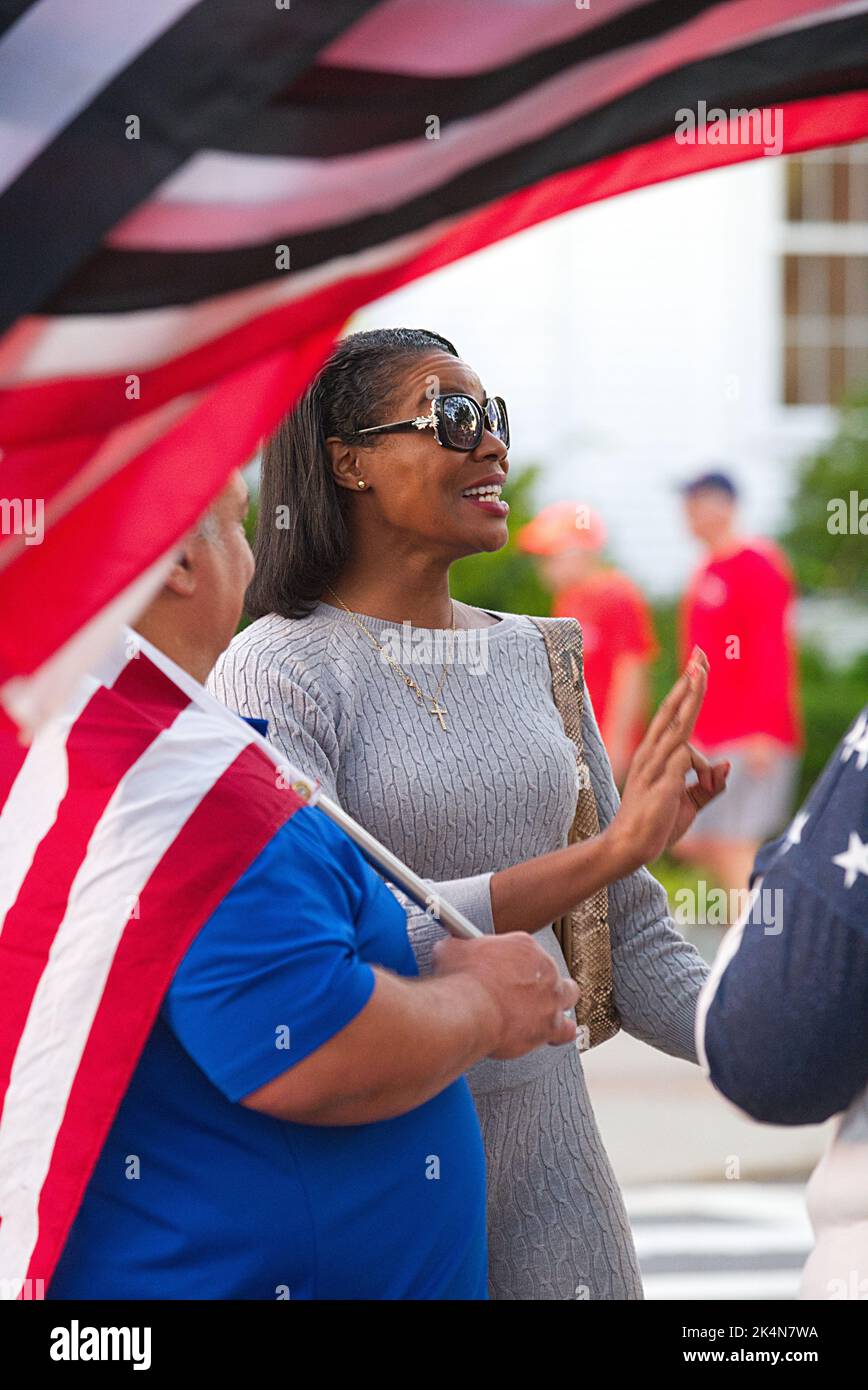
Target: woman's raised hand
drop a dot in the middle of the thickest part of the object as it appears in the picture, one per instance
(657, 807)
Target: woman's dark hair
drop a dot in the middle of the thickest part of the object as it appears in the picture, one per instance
(302, 538)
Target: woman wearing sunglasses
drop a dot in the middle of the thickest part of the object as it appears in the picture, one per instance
(433, 723)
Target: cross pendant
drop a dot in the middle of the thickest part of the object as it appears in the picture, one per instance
(437, 711)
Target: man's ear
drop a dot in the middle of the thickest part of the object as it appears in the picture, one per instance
(181, 579)
(346, 469)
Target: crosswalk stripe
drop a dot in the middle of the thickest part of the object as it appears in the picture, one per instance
(709, 1241)
(719, 1239)
(745, 1286)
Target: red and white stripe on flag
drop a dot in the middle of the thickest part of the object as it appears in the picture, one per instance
(200, 201)
(122, 826)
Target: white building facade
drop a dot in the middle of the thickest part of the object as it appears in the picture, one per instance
(712, 319)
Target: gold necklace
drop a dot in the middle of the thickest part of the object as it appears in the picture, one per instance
(437, 711)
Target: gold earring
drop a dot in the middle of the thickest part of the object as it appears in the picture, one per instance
(361, 483)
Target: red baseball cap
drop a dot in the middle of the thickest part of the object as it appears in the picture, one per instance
(563, 526)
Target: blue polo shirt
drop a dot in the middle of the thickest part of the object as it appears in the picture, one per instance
(195, 1196)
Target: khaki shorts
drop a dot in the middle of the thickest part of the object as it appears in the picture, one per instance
(754, 807)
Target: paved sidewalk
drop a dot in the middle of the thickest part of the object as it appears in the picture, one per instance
(662, 1121)
(715, 1200)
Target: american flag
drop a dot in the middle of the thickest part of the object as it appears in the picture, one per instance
(122, 826)
(196, 194)
(781, 1021)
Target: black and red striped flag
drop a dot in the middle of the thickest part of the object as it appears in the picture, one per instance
(196, 194)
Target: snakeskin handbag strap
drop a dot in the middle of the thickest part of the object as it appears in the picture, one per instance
(584, 933)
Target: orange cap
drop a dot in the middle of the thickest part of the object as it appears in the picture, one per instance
(563, 526)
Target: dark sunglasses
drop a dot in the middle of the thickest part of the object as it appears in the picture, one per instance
(458, 421)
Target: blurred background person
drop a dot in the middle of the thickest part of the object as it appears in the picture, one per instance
(569, 539)
(738, 606)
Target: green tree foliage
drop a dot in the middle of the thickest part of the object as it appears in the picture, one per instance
(252, 518)
(823, 558)
(831, 699)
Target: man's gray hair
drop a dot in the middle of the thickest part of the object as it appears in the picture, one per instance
(208, 529)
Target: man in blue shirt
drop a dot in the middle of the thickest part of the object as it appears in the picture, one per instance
(197, 1196)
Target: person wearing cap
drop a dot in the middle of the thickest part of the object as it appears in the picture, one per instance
(618, 638)
(738, 607)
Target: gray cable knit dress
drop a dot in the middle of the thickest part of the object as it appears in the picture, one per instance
(497, 787)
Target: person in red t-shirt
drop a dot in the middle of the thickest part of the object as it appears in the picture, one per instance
(618, 638)
(737, 607)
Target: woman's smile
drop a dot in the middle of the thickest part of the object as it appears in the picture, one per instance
(486, 495)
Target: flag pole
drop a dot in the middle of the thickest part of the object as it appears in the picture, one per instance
(308, 789)
(393, 869)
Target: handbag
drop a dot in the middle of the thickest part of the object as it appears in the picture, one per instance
(583, 934)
